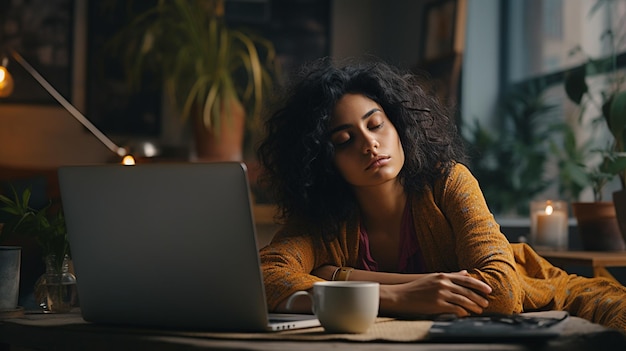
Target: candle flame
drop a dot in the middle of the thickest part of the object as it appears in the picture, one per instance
(549, 210)
(128, 160)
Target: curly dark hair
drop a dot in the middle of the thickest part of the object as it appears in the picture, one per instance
(297, 154)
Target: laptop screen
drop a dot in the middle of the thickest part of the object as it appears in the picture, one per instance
(166, 245)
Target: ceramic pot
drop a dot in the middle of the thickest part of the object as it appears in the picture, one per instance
(619, 201)
(597, 226)
(10, 262)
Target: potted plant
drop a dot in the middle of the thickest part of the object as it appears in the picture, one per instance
(610, 101)
(511, 162)
(215, 75)
(57, 285)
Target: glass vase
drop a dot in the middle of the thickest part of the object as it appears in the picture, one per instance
(56, 289)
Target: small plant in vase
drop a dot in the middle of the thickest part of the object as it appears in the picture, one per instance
(56, 289)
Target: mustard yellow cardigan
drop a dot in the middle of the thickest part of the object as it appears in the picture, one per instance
(456, 231)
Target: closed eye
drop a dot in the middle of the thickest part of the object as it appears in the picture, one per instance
(378, 126)
(341, 138)
(343, 142)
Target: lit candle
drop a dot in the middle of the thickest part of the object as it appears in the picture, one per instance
(551, 227)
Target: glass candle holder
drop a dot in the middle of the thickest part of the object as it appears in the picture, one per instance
(549, 225)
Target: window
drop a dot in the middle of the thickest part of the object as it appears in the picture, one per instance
(544, 34)
(553, 36)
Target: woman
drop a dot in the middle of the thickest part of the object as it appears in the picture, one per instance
(367, 170)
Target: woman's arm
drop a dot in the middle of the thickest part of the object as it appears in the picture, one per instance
(326, 272)
(411, 294)
(480, 246)
(286, 264)
(419, 294)
(302, 304)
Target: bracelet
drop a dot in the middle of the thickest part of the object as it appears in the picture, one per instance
(332, 278)
(343, 273)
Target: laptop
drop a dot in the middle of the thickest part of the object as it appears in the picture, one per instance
(167, 246)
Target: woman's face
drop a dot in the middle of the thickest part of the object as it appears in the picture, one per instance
(368, 151)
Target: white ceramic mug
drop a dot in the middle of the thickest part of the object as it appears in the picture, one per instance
(343, 306)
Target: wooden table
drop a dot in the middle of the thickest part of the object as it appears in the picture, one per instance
(597, 260)
(70, 332)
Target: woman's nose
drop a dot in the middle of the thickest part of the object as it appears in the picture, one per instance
(370, 144)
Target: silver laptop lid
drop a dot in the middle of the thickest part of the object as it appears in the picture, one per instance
(165, 245)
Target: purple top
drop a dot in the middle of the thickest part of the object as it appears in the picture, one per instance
(410, 255)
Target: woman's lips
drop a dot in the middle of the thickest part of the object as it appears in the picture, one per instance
(378, 162)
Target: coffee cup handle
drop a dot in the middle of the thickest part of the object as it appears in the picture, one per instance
(293, 297)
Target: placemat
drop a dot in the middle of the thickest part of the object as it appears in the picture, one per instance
(384, 329)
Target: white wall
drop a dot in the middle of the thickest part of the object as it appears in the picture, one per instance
(480, 82)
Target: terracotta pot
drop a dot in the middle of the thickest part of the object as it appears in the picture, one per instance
(223, 142)
(597, 226)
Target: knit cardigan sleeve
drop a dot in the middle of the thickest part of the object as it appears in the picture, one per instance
(457, 231)
(291, 256)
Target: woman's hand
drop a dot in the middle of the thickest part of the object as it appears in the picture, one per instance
(436, 293)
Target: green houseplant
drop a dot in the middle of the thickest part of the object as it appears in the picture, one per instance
(609, 99)
(613, 114)
(56, 288)
(216, 76)
(510, 162)
(47, 228)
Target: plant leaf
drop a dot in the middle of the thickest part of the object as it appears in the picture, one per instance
(617, 118)
(575, 84)
(614, 165)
